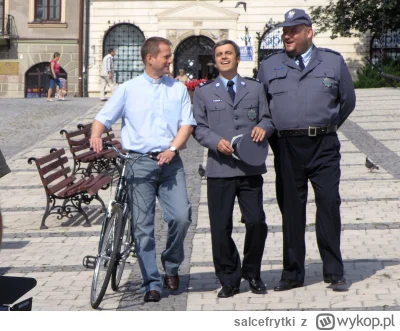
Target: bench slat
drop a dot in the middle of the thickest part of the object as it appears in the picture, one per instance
(55, 175)
(50, 157)
(57, 187)
(44, 170)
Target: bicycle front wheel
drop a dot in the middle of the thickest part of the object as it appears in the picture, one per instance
(124, 248)
(105, 262)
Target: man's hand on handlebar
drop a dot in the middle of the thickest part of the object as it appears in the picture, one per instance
(97, 144)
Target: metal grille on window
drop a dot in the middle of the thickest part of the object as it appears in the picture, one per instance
(126, 40)
(388, 45)
(271, 42)
(2, 23)
(189, 54)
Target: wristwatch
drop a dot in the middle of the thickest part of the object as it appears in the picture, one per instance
(174, 149)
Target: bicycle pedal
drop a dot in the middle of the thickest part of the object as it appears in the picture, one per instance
(89, 262)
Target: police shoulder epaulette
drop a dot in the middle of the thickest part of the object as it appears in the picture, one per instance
(272, 54)
(251, 78)
(328, 50)
(206, 83)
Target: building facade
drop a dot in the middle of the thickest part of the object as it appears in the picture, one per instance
(194, 27)
(31, 31)
(83, 30)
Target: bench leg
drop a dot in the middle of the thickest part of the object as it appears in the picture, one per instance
(46, 213)
(81, 211)
(103, 207)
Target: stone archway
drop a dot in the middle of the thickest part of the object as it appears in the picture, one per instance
(126, 39)
(37, 82)
(195, 55)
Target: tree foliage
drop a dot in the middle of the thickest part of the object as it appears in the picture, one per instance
(347, 18)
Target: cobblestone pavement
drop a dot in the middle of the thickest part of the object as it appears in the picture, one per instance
(27, 121)
(370, 236)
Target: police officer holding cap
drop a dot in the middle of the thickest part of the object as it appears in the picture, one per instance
(227, 108)
(310, 93)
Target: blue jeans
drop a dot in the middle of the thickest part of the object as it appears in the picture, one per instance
(55, 81)
(146, 181)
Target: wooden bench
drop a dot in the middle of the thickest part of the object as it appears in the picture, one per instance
(86, 161)
(59, 185)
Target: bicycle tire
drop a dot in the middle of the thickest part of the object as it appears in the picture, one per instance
(123, 243)
(106, 266)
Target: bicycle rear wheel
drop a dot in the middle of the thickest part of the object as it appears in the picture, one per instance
(105, 263)
(124, 248)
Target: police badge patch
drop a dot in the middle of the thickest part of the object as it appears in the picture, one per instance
(252, 114)
(327, 82)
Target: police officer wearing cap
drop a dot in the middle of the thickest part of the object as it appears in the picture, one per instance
(310, 93)
(224, 108)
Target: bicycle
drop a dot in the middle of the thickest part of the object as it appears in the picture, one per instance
(116, 238)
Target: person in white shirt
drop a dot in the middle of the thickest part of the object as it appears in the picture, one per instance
(107, 73)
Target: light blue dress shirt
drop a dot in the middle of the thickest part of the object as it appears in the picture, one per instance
(306, 56)
(225, 82)
(152, 112)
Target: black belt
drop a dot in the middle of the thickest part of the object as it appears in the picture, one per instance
(312, 131)
(152, 155)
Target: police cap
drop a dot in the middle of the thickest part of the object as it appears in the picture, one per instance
(295, 17)
(248, 151)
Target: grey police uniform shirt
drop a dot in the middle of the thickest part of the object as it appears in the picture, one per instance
(219, 118)
(320, 95)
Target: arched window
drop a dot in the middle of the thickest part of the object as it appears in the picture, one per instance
(194, 55)
(271, 41)
(387, 45)
(126, 39)
(37, 82)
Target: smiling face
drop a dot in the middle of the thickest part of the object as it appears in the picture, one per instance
(159, 65)
(297, 39)
(227, 60)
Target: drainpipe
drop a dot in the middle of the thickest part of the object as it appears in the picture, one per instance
(86, 75)
(80, 51)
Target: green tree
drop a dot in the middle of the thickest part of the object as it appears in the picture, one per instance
(347, 18)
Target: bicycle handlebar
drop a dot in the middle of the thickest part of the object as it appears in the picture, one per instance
(109, 145)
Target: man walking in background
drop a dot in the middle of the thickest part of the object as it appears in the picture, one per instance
(107, 74)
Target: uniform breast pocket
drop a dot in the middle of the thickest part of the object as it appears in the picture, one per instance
(217, 113)
(172, 111)
(277, 84)
(324, 81)
(250, 108)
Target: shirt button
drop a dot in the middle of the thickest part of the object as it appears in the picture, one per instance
(237, 128)
(234, 108)
(236, 118)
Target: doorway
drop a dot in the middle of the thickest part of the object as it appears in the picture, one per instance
(195, 56)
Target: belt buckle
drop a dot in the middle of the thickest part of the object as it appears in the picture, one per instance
(312, 131)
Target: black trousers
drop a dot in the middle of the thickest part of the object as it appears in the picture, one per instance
(316, 159)
(221, 199)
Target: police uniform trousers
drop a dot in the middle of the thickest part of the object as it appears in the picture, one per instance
(221, 199)
(316, 159)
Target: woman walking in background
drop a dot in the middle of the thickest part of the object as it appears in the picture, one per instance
(54, 78)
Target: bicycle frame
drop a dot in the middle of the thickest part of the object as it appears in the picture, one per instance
(120, 197)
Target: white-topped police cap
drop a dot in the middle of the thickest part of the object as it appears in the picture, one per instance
(295, 17)
(248, 151)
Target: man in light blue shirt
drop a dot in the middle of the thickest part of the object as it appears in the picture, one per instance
(156, 118)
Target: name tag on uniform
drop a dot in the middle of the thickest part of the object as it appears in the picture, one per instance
(280, 68)
(218, 100)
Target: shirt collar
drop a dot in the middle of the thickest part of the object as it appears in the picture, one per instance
(225, 81)
(151, 80)
(307, 55)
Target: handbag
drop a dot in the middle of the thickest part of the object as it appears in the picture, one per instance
(47, 71)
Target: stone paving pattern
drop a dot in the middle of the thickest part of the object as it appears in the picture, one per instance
(370, 229)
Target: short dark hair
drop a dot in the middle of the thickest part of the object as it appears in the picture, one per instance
(56, 54)
(227, 42)
(152, 46)
(110, 50)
